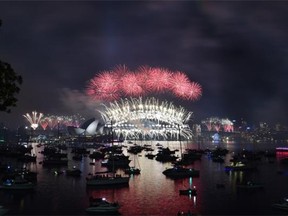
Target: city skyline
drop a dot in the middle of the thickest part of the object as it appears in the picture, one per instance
(235, 50)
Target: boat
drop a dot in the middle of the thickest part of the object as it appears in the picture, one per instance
(181, 172)
(189, 191)
(283, 205)
(55, 162)
(73, 172)
(182, 213)
(250, 185)
(17, 184)
(133, 170)
(106, 180)
(150, 156)
(116, 161)
(102, 206)
(239, 166)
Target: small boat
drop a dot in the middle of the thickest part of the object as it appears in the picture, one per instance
(135, 169)
(132, 171)
(150, 156)
(55, 162)
(239, 166)
(283, 205)
(181, 172)
(181, 213)
(106, 180)
(102, 206)
(17, 184)
(189, 191)
(73, 172)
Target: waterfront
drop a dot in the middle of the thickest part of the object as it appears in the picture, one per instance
(151, 193)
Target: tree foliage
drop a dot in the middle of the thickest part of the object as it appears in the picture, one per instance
(9, 86)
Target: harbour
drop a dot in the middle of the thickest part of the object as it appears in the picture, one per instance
(151, 192)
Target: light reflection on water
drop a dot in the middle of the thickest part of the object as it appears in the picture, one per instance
(151, 193)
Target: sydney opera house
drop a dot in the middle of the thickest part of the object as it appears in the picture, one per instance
(90, 127)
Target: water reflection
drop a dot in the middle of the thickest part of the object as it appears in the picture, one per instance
(150, 193)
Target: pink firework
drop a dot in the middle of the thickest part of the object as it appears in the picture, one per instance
(180, 85)
(44, 123)
(111, 85)
(194, 92)
(132, 85)
(104, 86)
(159, 79)
(52, 121)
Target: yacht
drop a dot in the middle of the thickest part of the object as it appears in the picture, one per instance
(282, 205)
(102, 206)
(17, 184)
(239, 166)
(106, 180)
(189, 191)
(181, 172)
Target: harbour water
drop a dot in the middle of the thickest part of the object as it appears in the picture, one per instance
(151, 192)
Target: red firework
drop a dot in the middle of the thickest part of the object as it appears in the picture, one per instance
(180, 85)
(44, 124)
(104, 86)
(111, 85)
(159, 79)
(194, 92)
(132, 85)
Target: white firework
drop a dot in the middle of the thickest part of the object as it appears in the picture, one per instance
(136, 118)
(34, 119)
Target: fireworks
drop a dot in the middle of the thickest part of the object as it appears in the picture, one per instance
(136, 118)
(111, 85)
(53, 121)
(217, 124)
(34, 119)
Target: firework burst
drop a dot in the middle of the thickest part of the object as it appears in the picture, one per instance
(112, 85)
(150, 117)
(104, 86)
(33, 119)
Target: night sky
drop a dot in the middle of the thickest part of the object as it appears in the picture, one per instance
(236, 50)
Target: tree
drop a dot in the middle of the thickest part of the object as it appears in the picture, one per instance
(9, 86)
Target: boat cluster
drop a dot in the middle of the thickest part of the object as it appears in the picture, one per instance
(112, 158)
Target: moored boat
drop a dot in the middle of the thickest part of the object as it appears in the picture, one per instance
(283, 205)
(239, 166)
(55, 162)
(106, 180)
(102, 206)
(181, 172)
(17, 184)
(132, 171)
(189, 192)
(73, 172)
